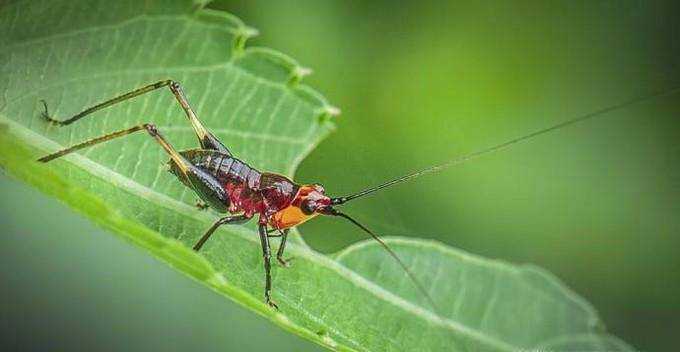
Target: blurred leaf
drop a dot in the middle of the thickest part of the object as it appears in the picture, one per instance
(73, 54)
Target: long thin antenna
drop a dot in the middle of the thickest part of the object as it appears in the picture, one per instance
(415, 281)
(464, 158)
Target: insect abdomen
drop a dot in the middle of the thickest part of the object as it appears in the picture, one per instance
(239, 180)
(229, 170)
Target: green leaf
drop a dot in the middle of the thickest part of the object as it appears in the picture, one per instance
(76, 53)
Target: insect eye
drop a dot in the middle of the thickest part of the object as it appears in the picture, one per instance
(308, 207)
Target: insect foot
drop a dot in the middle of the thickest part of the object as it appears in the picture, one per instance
(45, 114)
(284, 262)
(272, 304)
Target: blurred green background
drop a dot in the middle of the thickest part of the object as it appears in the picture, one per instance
(418, 83)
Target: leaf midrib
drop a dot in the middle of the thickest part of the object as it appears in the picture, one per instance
(163, 200)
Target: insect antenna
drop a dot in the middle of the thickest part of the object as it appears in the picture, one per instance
(497, 147)
(419, 286)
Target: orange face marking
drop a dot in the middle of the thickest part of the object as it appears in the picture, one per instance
(292, 215)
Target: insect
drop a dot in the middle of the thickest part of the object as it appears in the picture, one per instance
(229, 185)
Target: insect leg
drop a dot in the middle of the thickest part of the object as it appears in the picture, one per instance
(204, 184)
(205, 138)
(235, 219)
(282, 247)
(182, 163)
(266, 255)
